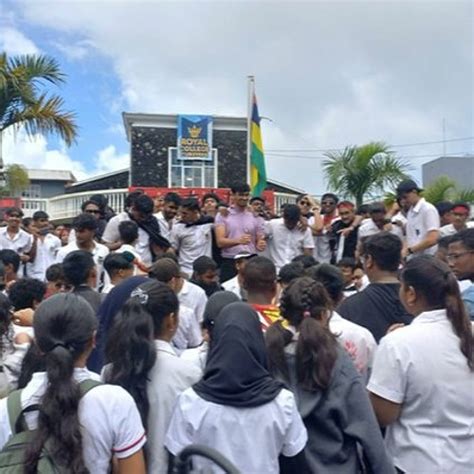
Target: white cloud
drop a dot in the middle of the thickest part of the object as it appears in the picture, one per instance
(35, 153)
(74, 51)
(108, 160)
(14, 42)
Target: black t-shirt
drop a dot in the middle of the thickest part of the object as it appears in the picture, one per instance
(376, 308)
(350, 242)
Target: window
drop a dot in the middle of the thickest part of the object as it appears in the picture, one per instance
(190, 173)
(33, 191)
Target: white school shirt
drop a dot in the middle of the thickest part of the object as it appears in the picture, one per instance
(165, 226)
(422, 368)
(233, 286)
(21, 243)
(422, 219)
(284, 244)
(369, 228)
(46, 251)
(449, 229)
(193, 297)
(188, 333)
(356, 340)
(250, 438)
(191, 243)
(111, 234)
(168, 378)
(98, 254)
(196, 356)
(109, 420)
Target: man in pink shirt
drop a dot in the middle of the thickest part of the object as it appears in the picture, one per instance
(239, 232)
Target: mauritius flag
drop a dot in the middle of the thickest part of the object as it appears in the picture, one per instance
(258, 174)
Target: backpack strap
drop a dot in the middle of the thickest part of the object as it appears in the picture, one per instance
(87, 385)
(14, 409)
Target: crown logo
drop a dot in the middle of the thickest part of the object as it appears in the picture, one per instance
(194, 131)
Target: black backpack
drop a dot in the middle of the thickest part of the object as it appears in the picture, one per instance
(12, 456)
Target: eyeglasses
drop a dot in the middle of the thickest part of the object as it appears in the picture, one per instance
(328, 203)
(92, 211)
(454, 256)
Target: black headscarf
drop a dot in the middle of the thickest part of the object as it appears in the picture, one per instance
(236, 372)
(107, 311)
(215, 304)
(151, 226)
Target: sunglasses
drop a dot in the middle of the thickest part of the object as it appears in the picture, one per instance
(14, 215)
(305, 203)
(92, 211)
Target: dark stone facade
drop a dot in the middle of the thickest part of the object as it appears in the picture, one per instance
(149, 150)
(117, 180)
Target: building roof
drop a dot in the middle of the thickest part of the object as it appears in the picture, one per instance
(51, 175)
(220, 122)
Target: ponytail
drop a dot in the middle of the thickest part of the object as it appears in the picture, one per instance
(58, 420)
(64, 325)
(276, 339)
(131, 352)
(436, 282)
(316, 354)
(304, 304)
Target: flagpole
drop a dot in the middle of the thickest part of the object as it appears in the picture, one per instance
(251, 90)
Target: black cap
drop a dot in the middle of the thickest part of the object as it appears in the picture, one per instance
(257, 198)
(407, 186)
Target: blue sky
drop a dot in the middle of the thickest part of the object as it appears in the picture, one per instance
(328, 74)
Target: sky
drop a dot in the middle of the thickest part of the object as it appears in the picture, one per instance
(328, 75)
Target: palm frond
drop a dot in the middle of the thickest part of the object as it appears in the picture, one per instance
(47, 116)
(441, 189)
(465, 195)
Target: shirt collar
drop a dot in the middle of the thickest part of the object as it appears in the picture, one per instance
(417, 206)
(185, 288)
(433, 316)
(164, 346)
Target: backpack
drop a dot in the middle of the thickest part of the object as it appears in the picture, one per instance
(12, 456)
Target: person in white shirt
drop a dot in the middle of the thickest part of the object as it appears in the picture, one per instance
(235, 284)
(285, 239)
(192, 236)
(12, 237)
(422, 228)
(377, 223)
(86, 431)
(119, 267)
(215, 304)
(139, 208)
(238, 407)
(459, 220)
(188, 334)
(167, 216)
(356, 340)
(46, 246)
(85, 227)
(143, 361)
(423, 375)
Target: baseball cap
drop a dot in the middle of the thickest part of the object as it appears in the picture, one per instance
(407, 186)
(245, 255)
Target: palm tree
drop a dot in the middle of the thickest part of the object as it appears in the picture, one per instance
(446, 189)
(23, 103)
(359, 171)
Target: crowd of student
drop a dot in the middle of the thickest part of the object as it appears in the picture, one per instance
(328, 340)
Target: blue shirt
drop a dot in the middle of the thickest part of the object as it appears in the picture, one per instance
(468, 298)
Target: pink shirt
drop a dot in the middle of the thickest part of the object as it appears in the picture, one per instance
(238, 223)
